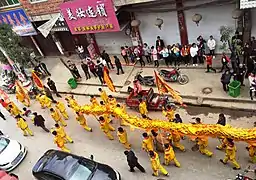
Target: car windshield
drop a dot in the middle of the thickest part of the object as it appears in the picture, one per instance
(81, 173)
(3, 143)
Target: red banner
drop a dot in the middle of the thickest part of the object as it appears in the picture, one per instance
(37, 81)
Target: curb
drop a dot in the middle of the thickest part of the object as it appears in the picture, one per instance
(185, 102)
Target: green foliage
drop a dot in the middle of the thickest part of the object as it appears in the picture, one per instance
(10, 42)
(225, 35)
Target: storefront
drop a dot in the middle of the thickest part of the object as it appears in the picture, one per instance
(96, 19)
(213, 17)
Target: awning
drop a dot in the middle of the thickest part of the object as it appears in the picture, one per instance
(47, 27)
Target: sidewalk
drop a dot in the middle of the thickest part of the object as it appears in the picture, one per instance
(191, 92)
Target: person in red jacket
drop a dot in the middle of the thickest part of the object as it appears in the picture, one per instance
(209, 59)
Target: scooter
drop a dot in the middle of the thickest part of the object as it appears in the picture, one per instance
(174, 76)
(145, 80)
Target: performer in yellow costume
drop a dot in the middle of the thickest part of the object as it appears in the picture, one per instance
(45, 101)
(14, 110)
(203, 144)
(94, 101)
(60, 142)
(252, 151)
(82, 121)
(61, 107)
(169, 156)
(103, 95)
(112, 101)
(120, 109)
(143, 107)
(147, 143)
(57, 117)
(231, 155)
(61, 131)
(175, 137)
(122, 136)
(169, 113)
(104, 126)
(20, 97)
(223, 144)
(21, 123)
(156, 164)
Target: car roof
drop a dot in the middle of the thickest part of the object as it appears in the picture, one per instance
(59, 163)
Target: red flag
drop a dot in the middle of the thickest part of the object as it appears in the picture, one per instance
(108, 80)
(163, 87)
(37, 80)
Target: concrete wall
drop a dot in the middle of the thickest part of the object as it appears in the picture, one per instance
(253, 22)
(169, 32)
(212, 18)
(112, 41)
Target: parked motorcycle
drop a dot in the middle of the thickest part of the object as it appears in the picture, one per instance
(174, 76)
(248, 174)
(145, 80)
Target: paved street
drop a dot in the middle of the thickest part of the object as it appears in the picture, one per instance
(193, 164)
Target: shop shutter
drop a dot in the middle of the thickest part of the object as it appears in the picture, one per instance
(112, 41)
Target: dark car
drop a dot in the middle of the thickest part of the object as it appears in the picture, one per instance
(59, 165)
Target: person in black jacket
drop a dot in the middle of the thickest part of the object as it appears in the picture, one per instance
(106, 57)
(133, 161)
(222, 119)
(39, 121)
(85, 68)
(118, 65)
(44, 68)
(99, 71)
(159, 43)
(52, 86)
(225, 79)
(49, 94)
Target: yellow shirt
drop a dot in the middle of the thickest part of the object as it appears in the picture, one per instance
(21, 123)
(104, 96)
(122, 137)
(59, 141)
(15, 110)
(61, 106)
(175, 137)
(94, 102)
(155, 162)
(147, 144)
(81, 119)
(143, 108)
(104, 126)
(169, 114)
(112, 102)
(169, 153)
(60, 131)
(231, 151)
(56, 115)
(20, 97)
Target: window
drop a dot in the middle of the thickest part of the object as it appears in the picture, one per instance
(3, 143)
(37, 1)
(9, 3)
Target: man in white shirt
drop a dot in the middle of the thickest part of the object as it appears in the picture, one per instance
(252, 81)
(193, 53)
(80, 50)
(211, 43)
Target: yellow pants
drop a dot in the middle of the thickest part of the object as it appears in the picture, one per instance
(27, 131)
(234, 162)
(127, 145)
(111, 128)
(68, 138)
(109, 135)
(62, 122)
(65, 149)
(49, 105)
(179, 146)
(87, 128)
(25, 103)
(204, 151)
(160, 168)
(122, 122)
(167, 161)
(64, 114)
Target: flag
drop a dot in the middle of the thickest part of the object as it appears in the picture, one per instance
(108, 80)
(37, 80)
(163, 87)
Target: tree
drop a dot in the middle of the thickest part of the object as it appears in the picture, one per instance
(10, 42)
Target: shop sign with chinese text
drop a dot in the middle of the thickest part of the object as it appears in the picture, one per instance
(90, 16)
(19, 21)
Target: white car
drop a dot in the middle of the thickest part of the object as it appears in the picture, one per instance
(11, 153)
